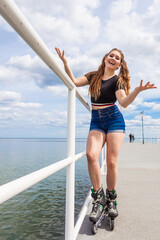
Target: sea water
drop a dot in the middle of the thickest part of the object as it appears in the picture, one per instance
(39, 212)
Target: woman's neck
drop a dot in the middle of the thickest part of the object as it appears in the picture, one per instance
(108, 73)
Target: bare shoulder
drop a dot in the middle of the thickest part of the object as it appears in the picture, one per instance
(85, 80)
(81, 81)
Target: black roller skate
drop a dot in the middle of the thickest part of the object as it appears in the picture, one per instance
(98, 204)
(111, 197)
(97, 214)
(109, 211)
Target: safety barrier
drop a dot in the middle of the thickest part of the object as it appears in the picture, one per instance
(17, 20)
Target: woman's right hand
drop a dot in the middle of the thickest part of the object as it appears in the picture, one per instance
(79, 82)
(61, 55)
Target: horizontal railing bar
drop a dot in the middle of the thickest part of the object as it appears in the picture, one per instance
(17, 186)
(18, 21)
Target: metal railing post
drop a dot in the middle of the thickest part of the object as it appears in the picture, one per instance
(103, 157)
(70, 174)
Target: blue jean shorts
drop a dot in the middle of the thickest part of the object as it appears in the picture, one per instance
(107, 120)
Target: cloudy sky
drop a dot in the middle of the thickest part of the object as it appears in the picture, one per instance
(33, 101)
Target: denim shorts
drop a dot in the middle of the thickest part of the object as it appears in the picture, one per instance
(107, 120)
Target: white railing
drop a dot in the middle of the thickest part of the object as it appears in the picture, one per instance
(16, 19)
(146, 140)
(17, 186)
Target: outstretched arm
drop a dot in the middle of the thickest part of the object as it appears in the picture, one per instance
(79, 82)
(126, 100)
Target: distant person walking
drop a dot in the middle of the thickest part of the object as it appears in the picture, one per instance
(131, 137)
(107, 123)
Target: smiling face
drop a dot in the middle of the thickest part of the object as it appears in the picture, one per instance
(113, 60)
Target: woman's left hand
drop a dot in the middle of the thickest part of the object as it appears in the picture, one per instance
(148, 85)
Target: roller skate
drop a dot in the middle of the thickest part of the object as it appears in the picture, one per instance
(98, 204)
(97, 214)
(111, 197)
(109, 211)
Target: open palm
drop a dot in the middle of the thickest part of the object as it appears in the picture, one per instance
(61, 55)
(148, 85)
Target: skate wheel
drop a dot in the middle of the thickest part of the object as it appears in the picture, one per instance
(111, 224)
(94, 228)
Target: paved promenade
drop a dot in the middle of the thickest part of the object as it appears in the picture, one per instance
(138, 196)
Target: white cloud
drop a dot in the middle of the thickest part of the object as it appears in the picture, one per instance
(155, 106)
(13, 100)
(62, 91)
(10, 75)
(148, 104)
(151, 126)
(59, 90)
(80, 63)
(56, 7)
(70, 21)
(129, 28)
(84, 91)
(130, 108)
(5, 109)
(33, 118)
(25, 70)
(9, 97)
(131, 32)
(28, 105)
(26, 62)
(44, 119)
(138, 101)
(83, 120)
(152, 17)
(133, 123)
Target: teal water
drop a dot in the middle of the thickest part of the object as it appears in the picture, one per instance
(39, 212)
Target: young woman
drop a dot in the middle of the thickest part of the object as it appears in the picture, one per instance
(107, 123)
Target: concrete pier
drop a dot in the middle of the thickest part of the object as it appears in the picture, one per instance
(138, 191)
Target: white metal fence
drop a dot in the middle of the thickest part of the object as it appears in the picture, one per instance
(16, 19)
(145, 140)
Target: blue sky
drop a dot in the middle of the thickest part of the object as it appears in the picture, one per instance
(33, 101)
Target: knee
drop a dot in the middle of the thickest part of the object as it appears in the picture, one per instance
(111, 164)
(91, 157)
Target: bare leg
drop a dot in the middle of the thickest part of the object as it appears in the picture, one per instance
(114, 143)
(95, 143)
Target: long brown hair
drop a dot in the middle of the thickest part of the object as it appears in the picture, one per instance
(123, 76)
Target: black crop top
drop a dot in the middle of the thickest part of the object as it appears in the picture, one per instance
(108, 89)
